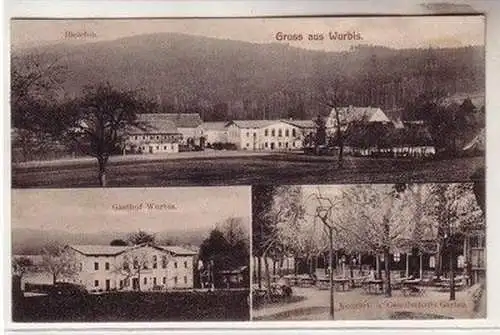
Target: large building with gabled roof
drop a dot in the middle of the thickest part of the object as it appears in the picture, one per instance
(145, 267)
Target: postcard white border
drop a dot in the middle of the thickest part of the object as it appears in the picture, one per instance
(125, 9)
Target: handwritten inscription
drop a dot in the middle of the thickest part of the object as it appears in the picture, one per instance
(332, 36)
(79, 35)
(149, 206)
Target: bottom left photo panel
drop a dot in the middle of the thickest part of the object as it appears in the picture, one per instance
(131, 255)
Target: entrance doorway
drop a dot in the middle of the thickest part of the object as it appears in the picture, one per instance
(108, 285)
(135, 284)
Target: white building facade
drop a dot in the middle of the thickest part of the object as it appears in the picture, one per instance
(143, 267)
(272, 135)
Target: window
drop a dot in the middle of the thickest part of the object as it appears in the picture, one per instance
(80, 267)
(266, 144)
(248, 144)
(136, 263)
(165, 147)
(248, 134)
(293, 144)
(293, 132)
(175, 280)
(280, 132)
(157, 147)
(135, 137)
(154, 281)
(461, 261)
(287, 133)
(186, 264)
(279, 144)
(145, 280)
(157, 137)
(96, 283)
(155, 262)
(106, 266)
(96, 266)
(175, 265)
(432, 262)
(185, 279)
(396, 257)
(477, 241)
(266, 132)
(273, 132)
(286, 144)
(164, 280)
(164, 261)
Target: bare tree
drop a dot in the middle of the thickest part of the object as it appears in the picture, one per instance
(455, 210)
(59, 262)
(141, 237)
(21, 265)
(102, 117)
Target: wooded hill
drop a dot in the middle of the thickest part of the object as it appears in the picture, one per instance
(227, 79)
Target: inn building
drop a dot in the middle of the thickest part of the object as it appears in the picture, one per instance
(145, 267)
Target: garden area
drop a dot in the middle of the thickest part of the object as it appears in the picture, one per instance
(386, 251)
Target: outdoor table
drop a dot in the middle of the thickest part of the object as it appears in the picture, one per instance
(358, 281)
(341, 281)
(377, 283)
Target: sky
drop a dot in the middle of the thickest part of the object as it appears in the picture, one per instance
(395, 32)
(98, 210)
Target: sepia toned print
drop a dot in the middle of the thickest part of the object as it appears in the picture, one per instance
(306, 100)
(123, 255)
(369, 252)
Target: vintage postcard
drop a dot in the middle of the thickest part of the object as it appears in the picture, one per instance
(369, 252)
(241, 101)
(131, 255)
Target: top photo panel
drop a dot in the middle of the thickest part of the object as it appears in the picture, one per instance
(240, 101)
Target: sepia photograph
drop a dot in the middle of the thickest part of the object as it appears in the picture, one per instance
(242, 101)
(130, 255)
(369, 252)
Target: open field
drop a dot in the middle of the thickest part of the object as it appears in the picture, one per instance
(357, 305)
(209, 169)
(135, 306)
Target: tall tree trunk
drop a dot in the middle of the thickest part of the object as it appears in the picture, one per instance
(54, 279)
(388, 289)
(407, 272)
(421, 265)
(268, 276)
(332, 284)
(259, 271)
(438, 270)
(102, 161)
(452, 273)
(377, 266)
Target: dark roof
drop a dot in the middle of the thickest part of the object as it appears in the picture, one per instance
(184, 120)
(301, 123)
(177, 250)
(153, 124)
(252, 123)
(412, 134)
(365, 135)
(218, 125)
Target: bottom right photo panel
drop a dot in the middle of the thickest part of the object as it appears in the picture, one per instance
(368, 252)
